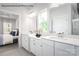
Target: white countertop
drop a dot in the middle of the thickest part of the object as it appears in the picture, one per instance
(69, 40)
(64, 40)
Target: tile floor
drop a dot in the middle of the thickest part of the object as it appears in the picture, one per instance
(13, 50)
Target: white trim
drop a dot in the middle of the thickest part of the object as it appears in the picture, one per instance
(9, 11)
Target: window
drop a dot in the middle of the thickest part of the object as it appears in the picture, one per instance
(43, 21)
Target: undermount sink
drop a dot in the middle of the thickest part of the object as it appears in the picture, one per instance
(57, 37)
(50, 37)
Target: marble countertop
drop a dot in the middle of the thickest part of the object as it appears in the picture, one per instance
(65, 39)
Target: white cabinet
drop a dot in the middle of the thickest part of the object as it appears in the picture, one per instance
(47, 47)
(39, 47)
(75, 28)
(32, 45)
(77, 50)
(25, 41)
(62, 49)
(42, 47)
(35, 46)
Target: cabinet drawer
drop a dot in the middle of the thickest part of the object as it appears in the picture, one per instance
(49, 42)
(33, 39)
(38, 42)
(25, 41)
(64, 47)
(25, 37)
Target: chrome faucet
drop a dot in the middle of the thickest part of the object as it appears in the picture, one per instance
(60, 34)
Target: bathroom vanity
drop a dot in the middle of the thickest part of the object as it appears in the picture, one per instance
(51, 45)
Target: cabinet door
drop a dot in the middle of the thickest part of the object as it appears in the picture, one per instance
(62, 49)
(77, 51)
(48, 48)
(38, 47)
(33, 45)
(33, 48)
(25, 42)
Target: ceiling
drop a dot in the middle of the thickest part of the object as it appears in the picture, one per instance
(28, 7)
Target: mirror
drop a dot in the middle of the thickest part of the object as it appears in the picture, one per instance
(65, 19)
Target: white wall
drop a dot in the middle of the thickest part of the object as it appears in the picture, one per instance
(28, 24)
(61, 17)
(11, 10)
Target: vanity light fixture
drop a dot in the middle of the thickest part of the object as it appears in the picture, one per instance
(55, 4)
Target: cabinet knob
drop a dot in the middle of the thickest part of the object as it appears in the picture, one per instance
(33, 43)
(41, 46)
(33, 40)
